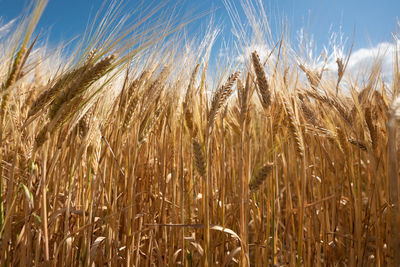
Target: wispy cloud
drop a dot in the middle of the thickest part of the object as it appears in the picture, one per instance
(262, 49)
(5, 29)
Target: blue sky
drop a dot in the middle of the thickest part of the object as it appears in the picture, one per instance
(373, 20)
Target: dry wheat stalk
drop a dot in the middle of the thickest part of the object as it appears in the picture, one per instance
(147, 125)
(295, 130)
(260, 177)
(263, 86)
(153, 92)
(133, 100)
(189, 92)
(244, 94)
(189, 123)
(357, 143)
(126, 204)
(278, 117)
(49, 95)
(308, 113)
(80, 84)
(84, 122)
(371, 127)
(67, 103)
(187, 103)
(219, 99)
(334, 103)
(314, 77)
(341, 70)
(343, 140)
(199, 159)
(15, 69)
(394, 117)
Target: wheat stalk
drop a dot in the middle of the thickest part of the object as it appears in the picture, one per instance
(295, 130)
(263, 86)
(260, 176)
(219, 99)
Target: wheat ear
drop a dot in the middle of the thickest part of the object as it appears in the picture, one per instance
(263, 87)
(295, 130)
(81, 84)
(220, 97)
(260, 177)
(199, 159)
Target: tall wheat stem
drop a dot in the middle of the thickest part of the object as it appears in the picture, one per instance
(207, 255)
(243, 197)
(393, 188)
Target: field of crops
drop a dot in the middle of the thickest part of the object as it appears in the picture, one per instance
(129, 151)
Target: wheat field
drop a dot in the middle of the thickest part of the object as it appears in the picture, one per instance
(129, 151)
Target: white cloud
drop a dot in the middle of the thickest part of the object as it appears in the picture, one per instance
(362, 60)
(360, 63)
